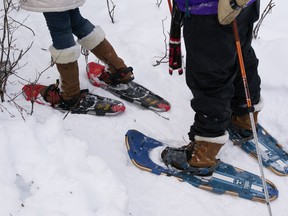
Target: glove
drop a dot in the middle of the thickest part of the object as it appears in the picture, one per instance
(175, 57)
(228, 10)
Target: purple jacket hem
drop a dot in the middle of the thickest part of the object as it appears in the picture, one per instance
(201, 7)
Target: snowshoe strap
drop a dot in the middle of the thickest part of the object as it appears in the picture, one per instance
(243, 140)
(74, 103)
(245, 135)
(119, 74)
(53, 92)
(206, 171)
(176, 157)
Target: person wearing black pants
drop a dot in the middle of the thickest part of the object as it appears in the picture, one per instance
(214, 78)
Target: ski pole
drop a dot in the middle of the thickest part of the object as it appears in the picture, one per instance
(170, 5)
(249, 105)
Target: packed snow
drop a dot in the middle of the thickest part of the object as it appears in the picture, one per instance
(79, 166)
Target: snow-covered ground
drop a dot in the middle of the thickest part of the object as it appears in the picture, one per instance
(80, 166)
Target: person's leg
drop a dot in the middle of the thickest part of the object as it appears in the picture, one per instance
(64, 52)
(82, 27)
(93, 38)
(210, 72)
(211, 68)
(240, 117)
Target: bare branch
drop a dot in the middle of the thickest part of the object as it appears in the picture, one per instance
(111, 10)
(267, 10)
(19, 108)
(10, 55)
(158, 3)
(163, 59)
(34, 99)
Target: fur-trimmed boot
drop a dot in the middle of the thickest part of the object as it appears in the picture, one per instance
(244, 121)
(198, 157)
(118, 72)
(67, 66)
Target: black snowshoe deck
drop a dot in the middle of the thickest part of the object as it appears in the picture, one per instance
(131, 92)
(91, 104)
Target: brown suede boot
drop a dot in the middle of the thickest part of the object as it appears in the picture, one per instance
(204, 154)
(244, 122)
(198, 158)
(120, 73)
(70, 88)
(70, 85)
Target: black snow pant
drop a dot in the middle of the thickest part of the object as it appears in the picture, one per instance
(212, 70)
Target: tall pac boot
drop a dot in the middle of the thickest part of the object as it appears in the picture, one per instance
(66, 63)
(198, 157)
(70, 85)
(120, 73)
(103, 50)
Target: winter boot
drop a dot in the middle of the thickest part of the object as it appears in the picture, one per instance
(198, 158)
(242, 123)
(67, 66)
(242, 127)
(204, 154)
(70, 85)
(53, 95)
(120, 73)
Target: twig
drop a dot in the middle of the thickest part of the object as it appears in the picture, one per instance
(162, 59)
(18, 107)
(10, 56)
(111, 11)
(166, 118)
(267, 10)
(158, 3)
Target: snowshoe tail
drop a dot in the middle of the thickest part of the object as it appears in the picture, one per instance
(274, 157)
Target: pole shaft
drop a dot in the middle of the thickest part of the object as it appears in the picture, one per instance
(170, 5)
(249, 105)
